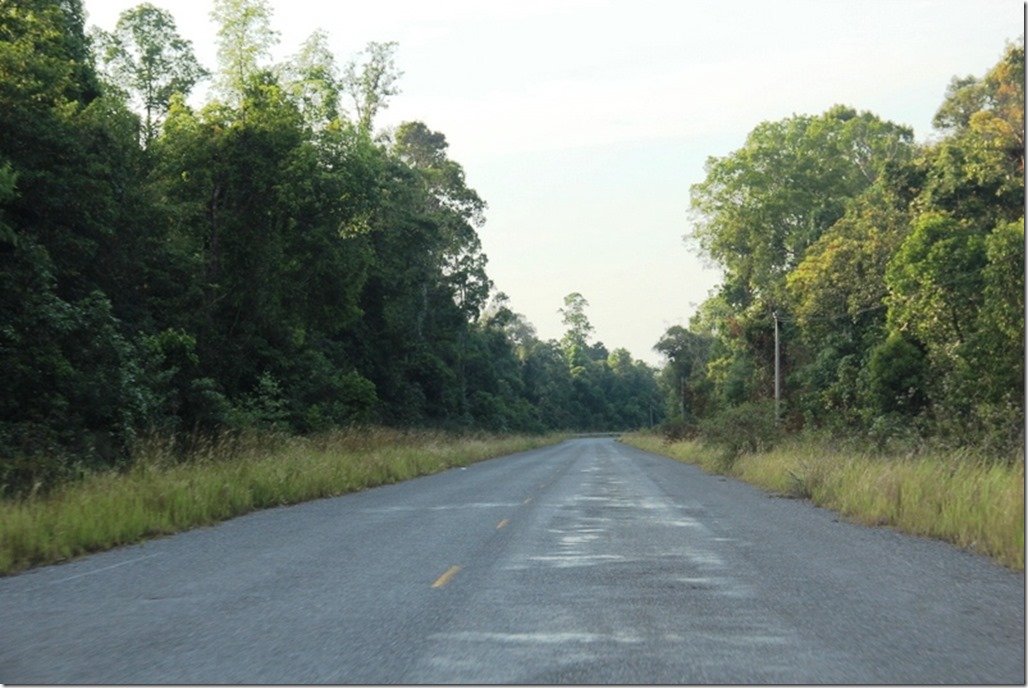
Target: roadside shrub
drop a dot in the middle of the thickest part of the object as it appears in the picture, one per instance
(897, 375)
(748, 427)
(677, 430)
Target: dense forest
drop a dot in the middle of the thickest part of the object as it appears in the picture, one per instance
(267, 261)
(272, 261)
(892, 273)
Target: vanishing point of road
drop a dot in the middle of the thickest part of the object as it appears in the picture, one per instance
(587, 562)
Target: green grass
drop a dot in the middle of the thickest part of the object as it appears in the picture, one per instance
(973, 503)
(232, 475)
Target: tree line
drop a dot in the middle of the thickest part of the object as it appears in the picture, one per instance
(893, 272)
(268, 260)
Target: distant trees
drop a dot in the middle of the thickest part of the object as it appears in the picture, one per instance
(265, 261)
(601, 389)
(896, 270)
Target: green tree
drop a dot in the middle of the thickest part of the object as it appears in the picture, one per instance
(953, 290)
(968, 242)
(548, 385)
(146, 58)
(68, 192)
(1001, 319)
(935, 281)
(759, 208)
(837, 294)
(224, 177)
(413, 329)
(759, 212)
(976, 172)
(370, 80)
(633, 391)
(495, 364)
(456, 209)
(684, 377)
(314, 81)
(896, 374)
(575, 341)
(46, 48)
(426, 284)
(245, 38)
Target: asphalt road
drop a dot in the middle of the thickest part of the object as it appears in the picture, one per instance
(588, 562)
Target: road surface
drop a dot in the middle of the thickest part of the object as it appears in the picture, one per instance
(587, 562)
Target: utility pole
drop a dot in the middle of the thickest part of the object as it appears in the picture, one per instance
(778, 377)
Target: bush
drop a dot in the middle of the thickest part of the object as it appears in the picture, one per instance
(748, 427)
(897, 376)
(677, 430)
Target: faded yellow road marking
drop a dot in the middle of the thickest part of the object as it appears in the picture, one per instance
(445, 578)
(527, 500)
(502, 523)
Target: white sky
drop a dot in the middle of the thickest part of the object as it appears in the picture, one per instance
(583, 123)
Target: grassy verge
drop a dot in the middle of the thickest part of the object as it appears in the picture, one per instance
(974, 504)
(223, 478)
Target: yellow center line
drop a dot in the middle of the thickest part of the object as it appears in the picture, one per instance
(445, 578)
(502, 523)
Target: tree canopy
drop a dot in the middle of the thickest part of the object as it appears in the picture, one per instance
(267, 260)
(895, 269)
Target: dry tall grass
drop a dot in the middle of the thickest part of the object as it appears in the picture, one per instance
(974, 503)
(221, 478)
